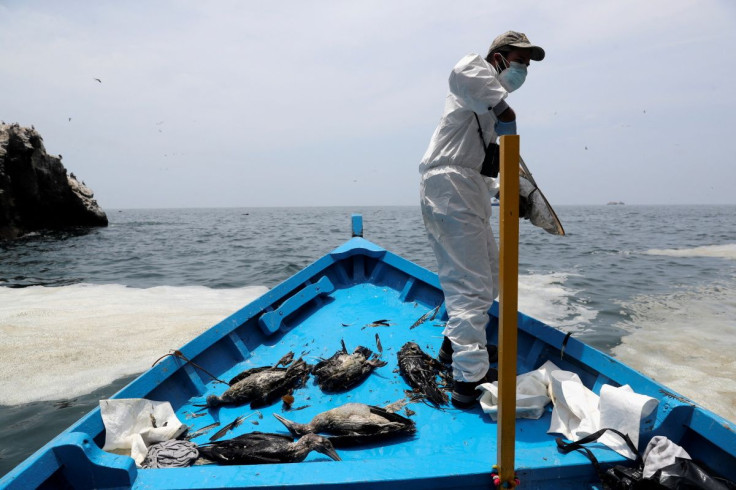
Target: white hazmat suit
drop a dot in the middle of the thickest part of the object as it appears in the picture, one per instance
(456, 207)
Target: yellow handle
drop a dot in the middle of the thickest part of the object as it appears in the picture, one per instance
(508, 306)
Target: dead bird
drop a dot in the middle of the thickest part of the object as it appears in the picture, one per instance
(420, 370)
(284, 362)
(266, 448)
(353, 423)
(262, 386)
(343, 371)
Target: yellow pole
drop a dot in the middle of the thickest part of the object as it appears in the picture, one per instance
(508, 305)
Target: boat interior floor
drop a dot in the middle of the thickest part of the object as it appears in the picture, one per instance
(464, 441)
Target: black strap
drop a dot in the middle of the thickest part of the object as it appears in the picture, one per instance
(564, 341)
(566, 447)
(491, 159)
(480, 132)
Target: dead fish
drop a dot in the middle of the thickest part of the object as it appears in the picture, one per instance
(426, 316)
(378, 344)
(378, 323)
(353, 423)
(262, 386)
(227, 428)
(343, 371)
(192, 415)
(420, 371)
(434, 314)
(201, 431)
(266, 448)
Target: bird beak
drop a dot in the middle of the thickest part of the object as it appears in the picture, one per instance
(292, 426)
(330, 451)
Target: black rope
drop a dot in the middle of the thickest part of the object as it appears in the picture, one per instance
(178, 354)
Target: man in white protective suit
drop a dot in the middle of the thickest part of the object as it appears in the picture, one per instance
(456, 202)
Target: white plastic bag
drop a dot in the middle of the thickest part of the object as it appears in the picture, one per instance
(132, 424)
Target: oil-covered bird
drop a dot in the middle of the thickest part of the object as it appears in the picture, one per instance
(343, 371)
(266, 448)
(262, 386)
(420, 370)
(284, 362)
(353, 423)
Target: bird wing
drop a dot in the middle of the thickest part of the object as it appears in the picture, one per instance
(393, 417)
(247, 373)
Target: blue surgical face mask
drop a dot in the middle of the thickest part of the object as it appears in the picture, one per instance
(513, 77)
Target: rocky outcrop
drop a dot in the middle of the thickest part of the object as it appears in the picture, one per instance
(35, 191)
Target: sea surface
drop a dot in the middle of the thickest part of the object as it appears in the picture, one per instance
(83, 312)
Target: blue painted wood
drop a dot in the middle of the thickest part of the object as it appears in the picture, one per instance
(357, 222)
(339, 297)
(271, 322)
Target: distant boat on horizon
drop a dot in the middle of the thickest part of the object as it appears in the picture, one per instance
(614, 203)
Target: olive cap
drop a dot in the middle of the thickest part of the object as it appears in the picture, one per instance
(517, 40)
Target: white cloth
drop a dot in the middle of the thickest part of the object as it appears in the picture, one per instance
(660, 453)
(132, 424)
(531, 393)
(623, 410)
(456, 207)
(575, 413)
(473, 88)
(579, 412)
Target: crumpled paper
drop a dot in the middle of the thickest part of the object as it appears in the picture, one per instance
(132, 424)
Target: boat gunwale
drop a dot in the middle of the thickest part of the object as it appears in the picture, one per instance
(581, 355)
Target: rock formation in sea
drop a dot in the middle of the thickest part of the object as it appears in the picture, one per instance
(36, 193)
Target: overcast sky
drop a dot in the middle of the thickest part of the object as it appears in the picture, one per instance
(300, 103)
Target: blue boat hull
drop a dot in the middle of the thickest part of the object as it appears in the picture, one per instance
(341, 297)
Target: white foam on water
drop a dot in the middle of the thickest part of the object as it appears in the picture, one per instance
(544, 297)
(686, 340)
(727, 251)
(61, 342)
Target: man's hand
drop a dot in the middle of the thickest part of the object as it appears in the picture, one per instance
(507, 116)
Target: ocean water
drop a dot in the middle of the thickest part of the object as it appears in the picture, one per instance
(82, 313)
